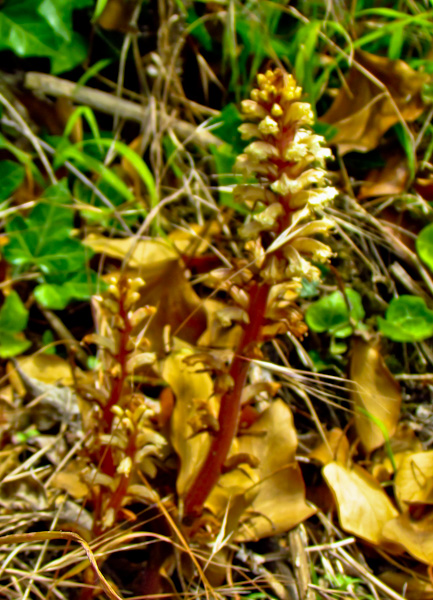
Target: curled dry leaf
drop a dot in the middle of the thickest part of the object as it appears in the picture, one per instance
(363, 507)
(375, 392)
(362, 110)
(194, 396)
(391, 179)
(416, 537)
(274, 491)
(414, 479)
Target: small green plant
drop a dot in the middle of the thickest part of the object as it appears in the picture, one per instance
(338, 315)
(43, 243)
(407, 319)
(424, 245)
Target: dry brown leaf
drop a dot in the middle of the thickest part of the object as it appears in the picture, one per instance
(70, 482)
(140, 252)
(363, 112)
(47, 368)
(391, 179)
(375, 391)
(416, 537)
(166, 287)
(414, 479)
(216, 334)
(117, 14)
(337, 448)
(194, 396)
(276, 490)
(413, 588)
(363, 507)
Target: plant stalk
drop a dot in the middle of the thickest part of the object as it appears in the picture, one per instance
(230, 406)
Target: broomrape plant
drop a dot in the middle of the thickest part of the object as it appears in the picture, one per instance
(135, 436)
(287, 162)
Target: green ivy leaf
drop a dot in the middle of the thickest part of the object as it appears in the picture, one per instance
(43, 239)
(43, 28)
(13, 314)
(424, 245)
(13, 320)
(331, 313)
(13, 345)
(57, 297)
(11, 176)
(407, 320)
(58, 13)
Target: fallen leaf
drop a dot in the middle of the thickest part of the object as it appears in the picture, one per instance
(137, 252)
(193, 391)
(166, 287)
(413, 588)
(416, 537)
(391, 179)
(47, 368)
(276, 489)
(117, 14)
(363, 506)
(336, 448)
(414, 478)
(375, 391)
(363, 112)
(70, 481)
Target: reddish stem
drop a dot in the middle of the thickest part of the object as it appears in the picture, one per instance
(230, 407)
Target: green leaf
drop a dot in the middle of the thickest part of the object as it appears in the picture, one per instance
(424, 245)
(69, 55)
(43, 28)
(57, 297)
(407, 320)
(332, 314)
(25, 32)
(58, 13)
(13, 319)
(11, 176)
(13, 315)
(12, 345)
(43, 239)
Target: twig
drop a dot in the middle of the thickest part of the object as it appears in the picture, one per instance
(110, 104)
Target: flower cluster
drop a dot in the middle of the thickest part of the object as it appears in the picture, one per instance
(287, 161)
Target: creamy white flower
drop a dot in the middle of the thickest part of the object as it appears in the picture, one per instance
(248, 131)
(319, 251)
(268, 216)
(268, 126)
(253, 109)
(261, 150)
(299, 112)
(125, 466)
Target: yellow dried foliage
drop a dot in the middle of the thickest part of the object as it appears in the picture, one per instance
(375, 391)
(275, 488)
(414, 479)
(362, 110)
(194, 401)
(416, 537)
(363, 506)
